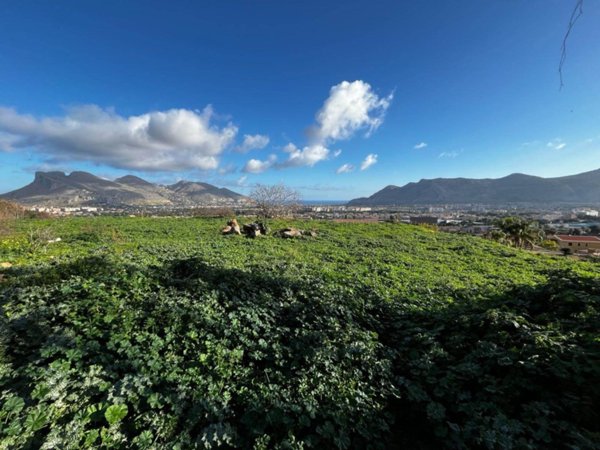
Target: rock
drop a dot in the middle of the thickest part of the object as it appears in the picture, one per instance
(255, 229)
(290, 233)
(5, 265)
(231, 228)
(252, 229)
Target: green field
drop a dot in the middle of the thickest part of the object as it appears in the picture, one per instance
(161, 333)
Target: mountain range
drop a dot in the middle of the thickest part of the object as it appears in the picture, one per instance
(515, 188)
(85, 189)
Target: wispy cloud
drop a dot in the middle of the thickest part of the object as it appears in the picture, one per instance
(368, 161)
(252, 142)
(556, 144)
(228, 169)
(172, 140)
(345, 168)
(420, 145)
(530, 143)
(452, 154)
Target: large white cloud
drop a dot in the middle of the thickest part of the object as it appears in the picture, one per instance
(176, 139)
(253, 142)
(350, 107)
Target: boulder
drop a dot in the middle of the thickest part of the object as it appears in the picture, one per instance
(252, 229)
(294, 233)
(290, 233)
(231, 228)
(255, 229)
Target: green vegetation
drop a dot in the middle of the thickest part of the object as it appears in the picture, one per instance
(160, 333)
(518, 232)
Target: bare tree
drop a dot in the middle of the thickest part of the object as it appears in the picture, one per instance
(276, 200)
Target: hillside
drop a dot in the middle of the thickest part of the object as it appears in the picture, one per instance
(515, 188)
(82, 188)
(161, 333)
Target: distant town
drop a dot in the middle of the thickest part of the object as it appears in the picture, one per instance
(465, 218)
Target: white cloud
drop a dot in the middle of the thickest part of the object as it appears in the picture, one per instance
(258, 166)
(308, 156)
(345, 168)
(530, 143)
(290, 148)
(176, 139)
(452, 154)
(7, 142)
(228, 169)
(242, 180)
(253, 142)
(368, 161)
(420, 145)
(556, 144)
(351, 106)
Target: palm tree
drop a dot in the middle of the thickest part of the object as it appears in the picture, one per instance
(521, 233)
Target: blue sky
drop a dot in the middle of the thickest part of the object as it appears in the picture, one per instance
(336, 99)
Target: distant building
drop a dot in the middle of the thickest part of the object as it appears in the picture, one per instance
(587, 212)
(479, 229)
(576, 244)
(423, 220)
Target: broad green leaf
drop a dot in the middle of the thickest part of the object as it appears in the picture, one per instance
(36, 419)
(13, 405)
(115, 413)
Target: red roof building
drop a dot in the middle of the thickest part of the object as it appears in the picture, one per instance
(578, 243)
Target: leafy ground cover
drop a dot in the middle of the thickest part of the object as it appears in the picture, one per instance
(160, 333)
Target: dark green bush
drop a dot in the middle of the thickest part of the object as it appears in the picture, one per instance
(103, 353)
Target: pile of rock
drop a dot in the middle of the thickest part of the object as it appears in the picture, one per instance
(260, 229)
(248, 229)
(232, 228)
(255, 229)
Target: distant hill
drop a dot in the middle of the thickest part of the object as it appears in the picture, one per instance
(86, 189)
(515, 188)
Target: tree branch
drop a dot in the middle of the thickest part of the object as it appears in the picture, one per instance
(575, 15)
